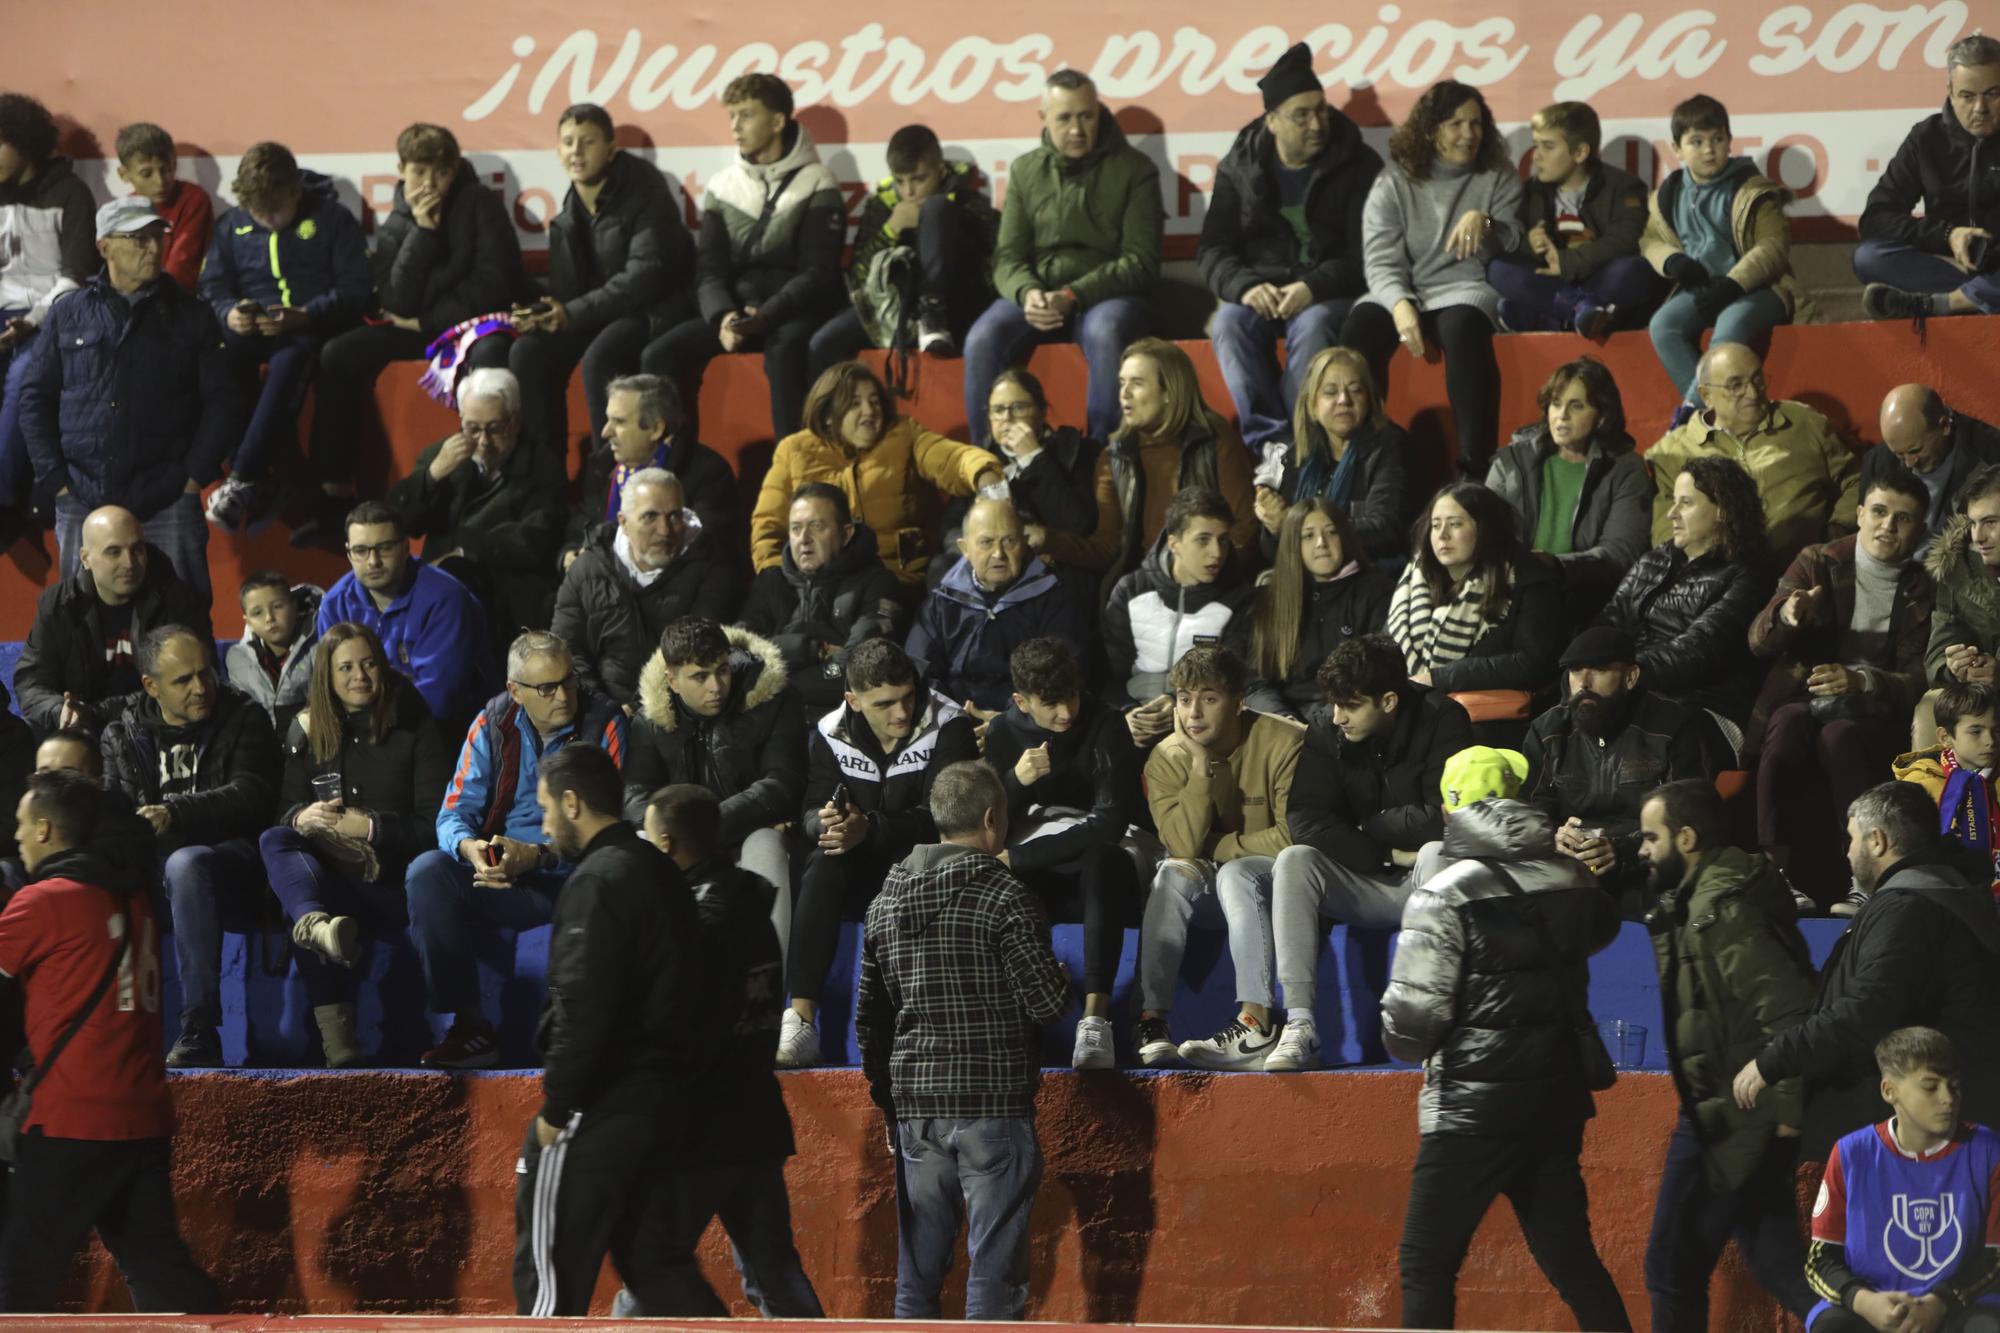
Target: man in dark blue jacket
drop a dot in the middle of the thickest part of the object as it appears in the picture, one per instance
(286, 270)
(131, 401)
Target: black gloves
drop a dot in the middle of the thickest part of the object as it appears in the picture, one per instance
(1687, 271)
(1711, 300)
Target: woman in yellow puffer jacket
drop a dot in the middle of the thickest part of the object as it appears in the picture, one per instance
(854, 440)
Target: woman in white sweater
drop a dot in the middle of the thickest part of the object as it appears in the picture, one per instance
(1447, 204)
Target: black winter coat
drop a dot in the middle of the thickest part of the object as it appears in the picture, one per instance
(634, 256)
(893, 791)
(1614, 514)
(741, 1114)
(17, 761)
(1955, 176)
(1357, 801)
(1604, 782)
(1519, 652)
(468, 265)
(1691, 620)
(1973, 445)
(509, 528)
(1476, 993)
(237, 767)
(65, 648)
(1925, 949)
(1614, 209)
(1382, 502)
(1341, 609)
(1094, 766)
(1245, 240)
(399, 780)
(708, 487)
(612, 625)
(814, 619)
(624, 978)
(752, 756)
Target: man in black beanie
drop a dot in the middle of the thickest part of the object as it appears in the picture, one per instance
(1281, 245)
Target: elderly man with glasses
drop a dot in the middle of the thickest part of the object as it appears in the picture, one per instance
(1805, 473)
(489, 507)
(492, 867)
(433, 629)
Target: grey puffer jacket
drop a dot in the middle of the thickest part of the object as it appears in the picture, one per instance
(282, 698)
(1475, 994)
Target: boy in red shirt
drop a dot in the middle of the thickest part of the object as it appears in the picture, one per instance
(147, 163)
(94, 1151)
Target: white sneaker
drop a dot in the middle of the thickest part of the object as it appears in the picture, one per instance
(229, 505)
(1238, 1046)
(798, 1041)
(1298, 1048)
(1093, 1045)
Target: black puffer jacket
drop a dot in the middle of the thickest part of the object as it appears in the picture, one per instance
(1475, 993)
(65, 648)
(815, 618)
(1955, 176)
(236, 767)
(399, 780)
(1691, 620)
(1356, 801)
(612, 625)
(1925, 949)
(468, 265)
(1341, 609)
(1245, 240)
(752, 756)
(1604, 782)
(1382, 502)
(634, 256)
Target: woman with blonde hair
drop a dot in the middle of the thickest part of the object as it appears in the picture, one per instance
(1168, 439)
(1321, 591)
(1341, 447)
(365, 771)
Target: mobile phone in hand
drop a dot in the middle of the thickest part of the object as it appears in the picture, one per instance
(492, 855)
(840, 800)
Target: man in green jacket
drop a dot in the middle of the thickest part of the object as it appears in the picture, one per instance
(1078, 251)
(1733, 972)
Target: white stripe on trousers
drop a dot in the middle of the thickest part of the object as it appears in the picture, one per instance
(542, 1219)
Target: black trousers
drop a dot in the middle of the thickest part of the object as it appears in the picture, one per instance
(1972, 1319)
(831, 889)
(683, 352)
(1471, 375)
(348, 368)
(601, 1188)
(1101, 889)
(1457, 1178)
(543, 362)
(756, 1211)
(62, 1189)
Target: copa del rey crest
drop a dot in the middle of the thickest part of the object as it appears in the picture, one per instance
(1923, 1237)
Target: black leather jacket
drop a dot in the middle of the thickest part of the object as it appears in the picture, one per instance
(1691, 620)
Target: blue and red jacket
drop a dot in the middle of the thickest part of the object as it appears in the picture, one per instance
(318, 263)
(492, 792)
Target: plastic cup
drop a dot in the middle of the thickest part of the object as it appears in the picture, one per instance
(326, 787)
(1625, 1041)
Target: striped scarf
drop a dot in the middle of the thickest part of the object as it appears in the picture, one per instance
(1430, 635)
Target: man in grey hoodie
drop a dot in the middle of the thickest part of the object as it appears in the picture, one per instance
(956, 976)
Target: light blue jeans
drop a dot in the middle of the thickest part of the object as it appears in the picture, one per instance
(983, 1173)
(1187, 893)
(1677, 326)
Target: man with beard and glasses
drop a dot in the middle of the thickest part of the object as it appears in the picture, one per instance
(1593, 758)
(1734, 972)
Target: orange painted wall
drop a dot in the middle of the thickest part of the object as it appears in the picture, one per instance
(1841, 369)
(1185, 1198)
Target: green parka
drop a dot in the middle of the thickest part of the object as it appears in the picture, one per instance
(1092, 225)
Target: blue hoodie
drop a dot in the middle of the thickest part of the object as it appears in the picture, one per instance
(434, 633)
(318, 263)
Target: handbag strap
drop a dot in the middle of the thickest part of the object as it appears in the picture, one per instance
(34, 1076)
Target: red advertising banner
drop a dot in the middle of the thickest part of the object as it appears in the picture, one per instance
(1820, 94)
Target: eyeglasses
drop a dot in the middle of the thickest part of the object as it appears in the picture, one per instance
(1024, 409)
(547, 689)
(486, 430)
(1736, 388)
(379, 551)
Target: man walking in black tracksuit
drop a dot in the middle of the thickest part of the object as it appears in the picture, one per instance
(622, 995)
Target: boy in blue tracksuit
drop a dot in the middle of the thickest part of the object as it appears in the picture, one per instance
(1906, 1231)
(492, 866)
(286, 270)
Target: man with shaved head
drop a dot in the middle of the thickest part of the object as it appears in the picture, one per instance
(1943, 447)
(996, 598)
(80, 650)
(1804, 472)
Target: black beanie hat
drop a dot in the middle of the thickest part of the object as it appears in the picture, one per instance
(1290, 76)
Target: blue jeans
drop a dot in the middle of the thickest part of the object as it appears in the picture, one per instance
(1916, 270)
(1533, 302)
(179, 532)
(206, 887)
(1692, 1224)
(287, 361)
(1003, 337)
(1677, 326)
(983, 1173)
(446, 909)
(1246, 346)
(303, 883)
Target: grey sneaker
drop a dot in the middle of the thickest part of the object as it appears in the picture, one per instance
(798, 1041)
(1093, 1045)
(1238, 1046)
(1851, 902)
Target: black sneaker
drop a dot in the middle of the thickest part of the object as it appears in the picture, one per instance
(1154, 1044)
(934, 328)
(196, 1048)
(468, 1045)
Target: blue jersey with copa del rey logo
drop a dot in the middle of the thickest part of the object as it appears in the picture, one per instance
(1909, 1223)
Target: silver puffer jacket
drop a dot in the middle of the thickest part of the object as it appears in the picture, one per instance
(1490, 983)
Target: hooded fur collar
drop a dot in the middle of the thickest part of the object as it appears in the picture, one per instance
(656, 701)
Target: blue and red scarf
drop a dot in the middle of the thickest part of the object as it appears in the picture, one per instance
(1967, 809)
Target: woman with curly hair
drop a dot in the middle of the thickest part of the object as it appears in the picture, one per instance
(1448, 203)
(1689, 601)
(1474, 609)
